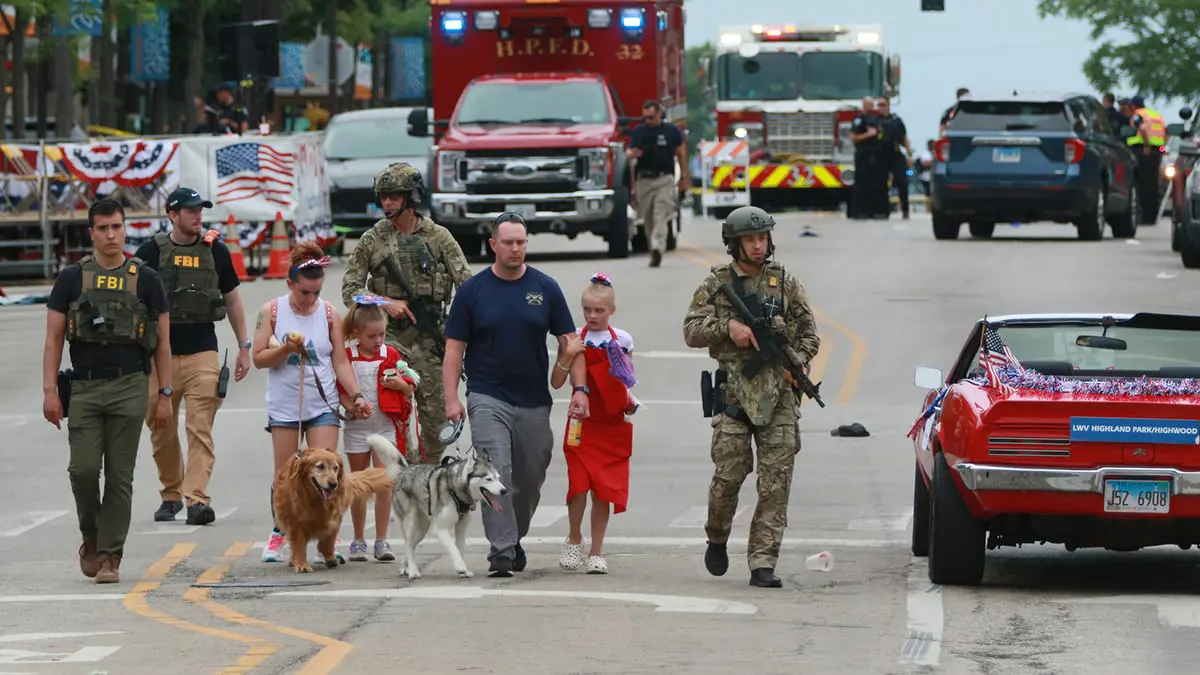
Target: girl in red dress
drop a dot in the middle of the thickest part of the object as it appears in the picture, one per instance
(598, 448)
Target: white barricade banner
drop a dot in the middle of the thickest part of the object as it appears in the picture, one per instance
(253, 178)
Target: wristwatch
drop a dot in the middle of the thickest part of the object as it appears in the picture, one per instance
(585, 390)
(167, 391)
(245, 345)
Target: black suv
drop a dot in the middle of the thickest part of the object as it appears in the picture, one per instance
(1024, 158)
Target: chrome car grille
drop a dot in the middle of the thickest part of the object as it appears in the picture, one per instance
(801, 133)
(501, 174)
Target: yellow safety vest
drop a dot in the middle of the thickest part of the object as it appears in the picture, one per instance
(1153, 126)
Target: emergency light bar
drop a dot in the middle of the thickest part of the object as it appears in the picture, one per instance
(632, 22)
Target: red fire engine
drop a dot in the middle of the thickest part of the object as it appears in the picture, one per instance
(791, 92)
(533, 102)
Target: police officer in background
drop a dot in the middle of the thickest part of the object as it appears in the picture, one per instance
(655, 146)
(1116, 119)
(433, 265)
(763, 406)
(862, 133)
(869, 166)
(1147, 146)
(202, 285)
(952, 110)
(895, 135)
(114, 313)
(231, 116)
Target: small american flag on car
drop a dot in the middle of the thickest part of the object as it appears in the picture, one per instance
(994, 357)
(250, 170)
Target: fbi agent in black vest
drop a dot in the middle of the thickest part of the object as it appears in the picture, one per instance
(114, 313)
(202, 284)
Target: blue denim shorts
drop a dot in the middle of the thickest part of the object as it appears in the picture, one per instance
(325, 419)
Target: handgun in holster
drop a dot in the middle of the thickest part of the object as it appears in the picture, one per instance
(719, 378)
(64, 389)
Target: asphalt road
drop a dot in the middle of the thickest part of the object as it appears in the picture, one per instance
(889, 298)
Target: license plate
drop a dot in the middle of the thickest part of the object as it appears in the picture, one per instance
(374, 211)
(1006, 155)
(523, 210)
(1137, 496)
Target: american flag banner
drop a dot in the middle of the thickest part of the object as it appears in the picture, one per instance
(254, 170)
(994, 357)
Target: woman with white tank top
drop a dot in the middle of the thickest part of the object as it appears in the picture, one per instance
(295, 323)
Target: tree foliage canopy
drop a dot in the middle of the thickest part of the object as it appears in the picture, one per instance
(1159, 56)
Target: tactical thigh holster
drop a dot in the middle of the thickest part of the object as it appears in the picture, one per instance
(712, 397)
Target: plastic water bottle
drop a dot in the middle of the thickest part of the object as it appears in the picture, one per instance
(821, 562)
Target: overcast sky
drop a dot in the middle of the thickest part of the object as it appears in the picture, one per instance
(979, 44)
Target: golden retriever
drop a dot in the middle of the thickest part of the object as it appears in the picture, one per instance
(312, 494)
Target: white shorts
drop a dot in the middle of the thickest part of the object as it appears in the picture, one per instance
(355, 432)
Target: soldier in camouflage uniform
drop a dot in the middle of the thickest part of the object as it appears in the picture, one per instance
(432, 265)
(762, 406)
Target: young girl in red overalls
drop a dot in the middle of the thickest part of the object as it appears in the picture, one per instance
(387, 383)
(598, 448)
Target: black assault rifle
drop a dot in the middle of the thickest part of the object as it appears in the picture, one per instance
(427, 321)
(772, 344)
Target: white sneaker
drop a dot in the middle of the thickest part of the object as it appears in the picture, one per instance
(273, 551)
(571, 557)
(596, 565)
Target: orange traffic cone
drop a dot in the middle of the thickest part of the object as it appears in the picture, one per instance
(234, 244)
(279, 264)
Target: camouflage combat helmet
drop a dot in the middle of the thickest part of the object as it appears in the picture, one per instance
(746, 220)
(398, 177)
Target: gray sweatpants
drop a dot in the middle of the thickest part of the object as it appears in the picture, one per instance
(520, 443)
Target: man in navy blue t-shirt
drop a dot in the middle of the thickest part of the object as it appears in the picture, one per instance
(500, 317)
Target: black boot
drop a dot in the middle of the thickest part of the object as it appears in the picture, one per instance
(764, 577)
(716, 559)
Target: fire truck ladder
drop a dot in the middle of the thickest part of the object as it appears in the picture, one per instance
(720, 153)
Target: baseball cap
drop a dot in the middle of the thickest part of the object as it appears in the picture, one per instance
(182, 197)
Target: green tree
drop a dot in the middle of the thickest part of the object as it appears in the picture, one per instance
(1159, 55)
(699, 99)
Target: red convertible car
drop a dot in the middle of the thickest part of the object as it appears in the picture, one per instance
(1073, 429)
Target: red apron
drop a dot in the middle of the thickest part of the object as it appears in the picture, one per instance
(599, 459)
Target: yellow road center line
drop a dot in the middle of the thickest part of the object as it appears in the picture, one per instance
(136, 601)
(858, 345)
(821, 361)
(323, 662)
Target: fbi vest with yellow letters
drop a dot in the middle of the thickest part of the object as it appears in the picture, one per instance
(108, 311)
(189, 275)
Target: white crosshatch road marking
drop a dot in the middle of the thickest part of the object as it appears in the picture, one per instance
(180, 525)
(923, 636)
(697, 515)
(893, 523)
(20, 523)
(545, 516)
(27, 657)
(663, 603)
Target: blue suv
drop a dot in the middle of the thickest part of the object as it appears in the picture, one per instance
(1022, 158)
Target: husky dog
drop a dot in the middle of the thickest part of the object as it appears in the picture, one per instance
(438, 498)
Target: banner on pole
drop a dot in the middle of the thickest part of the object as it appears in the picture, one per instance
(150, 49)
(408, 68)
(364, 74)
